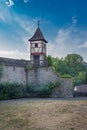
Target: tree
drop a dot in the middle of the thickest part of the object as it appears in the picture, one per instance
(74, 63)
(50, 60)
(70, 66)
(61, 66)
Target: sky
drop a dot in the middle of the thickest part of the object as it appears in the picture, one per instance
(62, 22)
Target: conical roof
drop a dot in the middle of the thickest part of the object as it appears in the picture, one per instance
(37, 36)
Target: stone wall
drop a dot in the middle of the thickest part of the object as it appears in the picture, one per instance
(42, 75)
(64, 90)
(13, 74)
(39, 76)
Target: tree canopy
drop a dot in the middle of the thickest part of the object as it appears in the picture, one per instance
(72, 66)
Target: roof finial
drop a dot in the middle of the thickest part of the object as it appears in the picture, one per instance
(38, 23)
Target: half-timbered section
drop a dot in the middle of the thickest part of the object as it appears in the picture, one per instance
(38, 47)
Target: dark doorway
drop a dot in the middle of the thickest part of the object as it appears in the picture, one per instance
(36, 59)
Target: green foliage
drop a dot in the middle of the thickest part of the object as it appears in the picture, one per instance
(46, 90)
(29, 67)
(15, 90)
(29, 89)
(43, 92)
(79, 79)
(62, 67)
(50, 60)
(10, 90)
(82, 76)
(70, 67)
(1, 70)
(74, 63)
(73, 59)
(76, 81)
(65, 76)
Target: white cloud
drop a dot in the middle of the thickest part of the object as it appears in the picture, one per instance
(14, 54)
(2, 17)
(59, 47)
(10, 3)
(25, 1)
(5, 13)
(84, 45)
(9, 49)
(26, 28)
(5, 16)
(27, 24)
(66, 43)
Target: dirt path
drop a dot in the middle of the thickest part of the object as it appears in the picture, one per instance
(55, 99)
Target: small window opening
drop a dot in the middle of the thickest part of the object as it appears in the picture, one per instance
(36, 45)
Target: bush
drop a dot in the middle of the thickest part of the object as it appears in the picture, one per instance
(43, 92)
(29, 90)
(10, 90)
(79, 79)
(76, 81)
(46, 90)
(15, 90)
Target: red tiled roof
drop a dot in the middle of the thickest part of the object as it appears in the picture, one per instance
(37, 36)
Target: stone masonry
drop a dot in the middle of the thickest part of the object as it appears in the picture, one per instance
(15, 71)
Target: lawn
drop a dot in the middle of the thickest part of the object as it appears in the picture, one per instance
(43, 115)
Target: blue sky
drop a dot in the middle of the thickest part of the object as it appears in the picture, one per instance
(63, 23)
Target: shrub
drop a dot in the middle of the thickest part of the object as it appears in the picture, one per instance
(46, 89)
(43, 92)
(28, 90)
(10, 90)
(76, 81)
(15, 90)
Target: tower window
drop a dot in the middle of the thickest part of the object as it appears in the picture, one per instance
(36, 45)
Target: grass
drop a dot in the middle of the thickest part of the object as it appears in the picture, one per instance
(43, 115)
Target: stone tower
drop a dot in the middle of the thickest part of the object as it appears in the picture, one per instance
(38, 47)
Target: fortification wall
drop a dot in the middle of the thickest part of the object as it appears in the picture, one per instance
(39, 76)
(42, 75)
(64, 90)
(13, 74)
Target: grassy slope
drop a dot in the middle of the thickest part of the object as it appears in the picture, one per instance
(43, 115)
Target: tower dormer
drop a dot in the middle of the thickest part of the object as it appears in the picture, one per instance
(37, 46)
